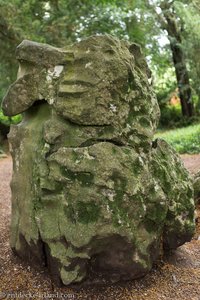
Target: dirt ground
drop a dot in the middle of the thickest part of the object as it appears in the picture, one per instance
(177, 277)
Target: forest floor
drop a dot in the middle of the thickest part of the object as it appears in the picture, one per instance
(176, 277)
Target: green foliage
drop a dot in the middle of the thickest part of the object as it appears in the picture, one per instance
(59, 22)
(189, 15)
(170, 116)
(184, 140)
(165, 86)
(9, 120)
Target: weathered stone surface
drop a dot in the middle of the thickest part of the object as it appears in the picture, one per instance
(91, 191)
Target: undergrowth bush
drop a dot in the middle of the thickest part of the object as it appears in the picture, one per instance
(171, 117)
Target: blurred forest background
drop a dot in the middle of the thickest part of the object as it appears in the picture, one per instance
(168, 32)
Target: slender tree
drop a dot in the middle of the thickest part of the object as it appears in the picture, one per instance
(170, 22)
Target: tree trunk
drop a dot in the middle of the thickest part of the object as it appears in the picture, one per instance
(174, 34)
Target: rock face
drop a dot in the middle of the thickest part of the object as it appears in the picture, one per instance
(91, 191)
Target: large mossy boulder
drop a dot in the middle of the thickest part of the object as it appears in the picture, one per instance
(91, 191)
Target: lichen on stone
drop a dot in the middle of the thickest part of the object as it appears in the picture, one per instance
(91, 191)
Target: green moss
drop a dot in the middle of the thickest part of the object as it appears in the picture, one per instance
(190, 228)
(37, 204)
(85, 178)
(114, 150)
(75, 155)
(70, 213)
(50, 187)
(82, 212)
(87, 212)
(120, 213)
(136, 167)
(127, 151)
(150, 225)
(144, 122)
(120, 184)
(105, 130)
(161, 174)
(156, 213)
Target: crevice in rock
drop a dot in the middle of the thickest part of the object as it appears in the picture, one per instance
(155, 144)
(88, 143)
(85, 125)
(44, 254)
(53, 265)
(39, 102)
(91, 142)
(78, 82)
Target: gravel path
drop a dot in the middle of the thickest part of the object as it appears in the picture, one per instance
(177, 277)
(192, 163)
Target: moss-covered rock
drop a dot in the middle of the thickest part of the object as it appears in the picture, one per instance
(91, 191)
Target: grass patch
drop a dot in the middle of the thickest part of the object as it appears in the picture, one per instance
(184, 140)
